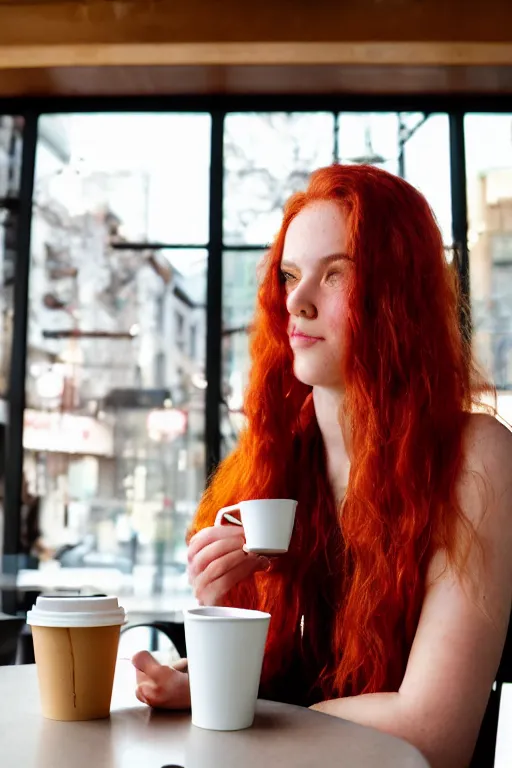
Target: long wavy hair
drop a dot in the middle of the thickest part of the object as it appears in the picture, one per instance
(409, 385)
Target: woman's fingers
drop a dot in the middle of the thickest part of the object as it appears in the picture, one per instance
(181, 665)
(225, 573)
(154, 695)
(211, 552)
(143, 692)
(159, 685)
(217, 561)
(150, 668)
(211, 534)
(147, 666)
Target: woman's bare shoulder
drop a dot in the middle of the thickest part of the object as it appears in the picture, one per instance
(485, 489)
(481, 426)
(488, 449)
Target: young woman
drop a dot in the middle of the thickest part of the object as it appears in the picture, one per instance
(392, 605)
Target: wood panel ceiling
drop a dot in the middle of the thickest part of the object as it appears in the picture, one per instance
(132, 47)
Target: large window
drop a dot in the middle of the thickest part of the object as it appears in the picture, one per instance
(11, 131)
(11, 137)
(414, 145)
(489, 197)
(114, 420)
(127, 243)
(268, 156)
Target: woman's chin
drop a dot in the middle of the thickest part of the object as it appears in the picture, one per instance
(309, 376)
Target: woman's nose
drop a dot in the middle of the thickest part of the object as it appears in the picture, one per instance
(301, 304)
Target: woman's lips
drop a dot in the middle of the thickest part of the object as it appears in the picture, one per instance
(300, 340)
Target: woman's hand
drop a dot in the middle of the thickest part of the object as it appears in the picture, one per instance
(160, 686)
(217, 561)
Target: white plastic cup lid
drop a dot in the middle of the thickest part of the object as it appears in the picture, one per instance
(76, 612)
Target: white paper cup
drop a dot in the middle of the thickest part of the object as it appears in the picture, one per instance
(225, 648)
(268, 523)
(75, 645)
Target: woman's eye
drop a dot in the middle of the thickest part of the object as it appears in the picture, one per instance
(287, 277)
(333, 277)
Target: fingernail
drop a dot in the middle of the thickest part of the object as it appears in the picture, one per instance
(142, 695)
(264, 563)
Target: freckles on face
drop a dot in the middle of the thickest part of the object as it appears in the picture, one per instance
(335, 315)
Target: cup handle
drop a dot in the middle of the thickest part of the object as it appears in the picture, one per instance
(220, 515)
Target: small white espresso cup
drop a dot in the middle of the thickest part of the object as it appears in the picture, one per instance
(225, 648)
(268, 523)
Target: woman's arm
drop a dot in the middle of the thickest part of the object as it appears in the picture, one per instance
(462, 627)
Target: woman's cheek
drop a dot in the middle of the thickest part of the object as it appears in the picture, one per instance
(336, 321)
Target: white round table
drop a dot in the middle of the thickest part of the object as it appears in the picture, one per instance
(136, 737)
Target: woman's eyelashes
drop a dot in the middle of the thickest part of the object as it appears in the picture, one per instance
(332, 277)
(288, 279)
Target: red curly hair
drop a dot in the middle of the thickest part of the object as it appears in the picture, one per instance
(409, 387)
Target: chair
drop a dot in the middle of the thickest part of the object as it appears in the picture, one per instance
(173, 630)
(21, 601)
(484, 754)
(10, 629)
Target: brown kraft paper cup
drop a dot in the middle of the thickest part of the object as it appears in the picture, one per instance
(75, 667)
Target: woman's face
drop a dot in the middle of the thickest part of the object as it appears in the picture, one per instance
(316, 271)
